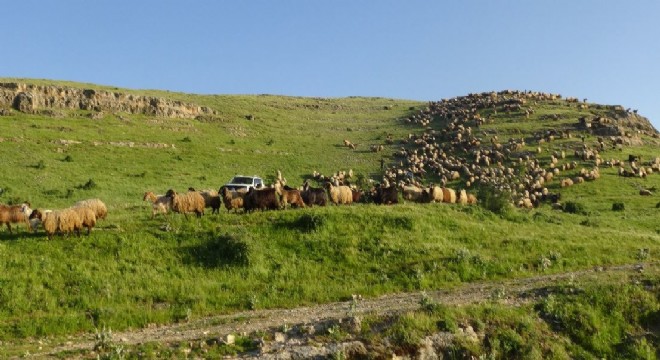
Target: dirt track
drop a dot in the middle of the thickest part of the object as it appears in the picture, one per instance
(513, 292)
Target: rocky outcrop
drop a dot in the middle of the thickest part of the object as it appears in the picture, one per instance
(29, 98)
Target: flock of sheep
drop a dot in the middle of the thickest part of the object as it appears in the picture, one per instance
(82, 214)
(463, 151)
(85, 214)
(455, 153)
(281, 196)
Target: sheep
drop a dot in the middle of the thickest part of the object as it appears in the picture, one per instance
(462, 197)
(63, 221)
(289, 196)
(433, 194)
(35, 222)
(159, 203)
(448, 195)
(233, 200)
(68, 222)
(14, 214)
(211, 199)
(313, 196)
(100, 210)
(525, 203)
(185, 203)
(566, 182)
(386, 195)
(357, 195)
(349, 144)
(265, 199)
(339, 194)
(411, 193)
(87, 217)
(35, 219)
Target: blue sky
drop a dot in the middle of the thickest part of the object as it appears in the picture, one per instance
(605, 51)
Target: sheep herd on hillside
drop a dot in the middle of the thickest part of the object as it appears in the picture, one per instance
(281, 196)
(460, 152)
(460, 149)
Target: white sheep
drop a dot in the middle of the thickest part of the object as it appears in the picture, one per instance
(341, 194)
(159, 203)
(99, 208)
(63, 221)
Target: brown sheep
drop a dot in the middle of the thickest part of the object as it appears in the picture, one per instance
(87, 217)
(265, 199)
(186, 203)
(313, 196)
(211, 199)
(448, 195)
(357, 195)
(59, 221)
(289, 196)
(386, 195)
(14, 214)
(232, 199)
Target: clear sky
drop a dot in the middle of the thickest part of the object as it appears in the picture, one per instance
(604, 50)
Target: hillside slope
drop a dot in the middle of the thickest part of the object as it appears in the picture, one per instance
(63, 142)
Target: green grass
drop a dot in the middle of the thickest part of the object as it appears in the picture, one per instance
(130, 273)
(576, 322)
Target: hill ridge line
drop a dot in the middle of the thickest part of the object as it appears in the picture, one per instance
(30, 99)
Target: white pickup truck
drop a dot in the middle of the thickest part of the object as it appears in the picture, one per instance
(244, 183)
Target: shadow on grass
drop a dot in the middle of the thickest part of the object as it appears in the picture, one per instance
(216, 251)
(19, 234)
(305, 223)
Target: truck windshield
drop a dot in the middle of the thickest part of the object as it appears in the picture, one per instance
(242, 180)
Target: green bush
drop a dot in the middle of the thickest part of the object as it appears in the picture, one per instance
(89, 185)
(493, 200)
(618, 206)
(219, 251)
(573, 207)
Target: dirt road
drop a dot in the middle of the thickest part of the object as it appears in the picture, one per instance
(513, 292)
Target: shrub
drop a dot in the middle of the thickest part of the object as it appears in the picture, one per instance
(219, 251)
(67, 158)
(493, 200)
(572, 207)
(618, 206)
(90, 184)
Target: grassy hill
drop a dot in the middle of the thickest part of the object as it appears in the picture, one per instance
(134, 271)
